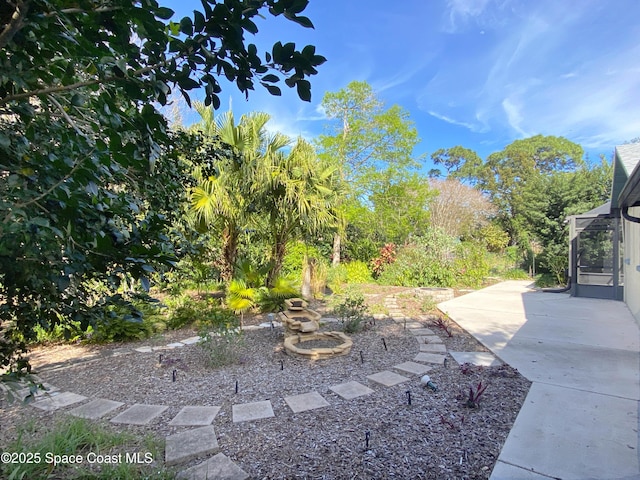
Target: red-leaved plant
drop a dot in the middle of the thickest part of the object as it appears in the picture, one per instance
(386, 257)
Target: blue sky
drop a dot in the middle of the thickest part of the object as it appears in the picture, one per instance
(476, 73)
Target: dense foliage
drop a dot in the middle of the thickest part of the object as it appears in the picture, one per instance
(91, 177)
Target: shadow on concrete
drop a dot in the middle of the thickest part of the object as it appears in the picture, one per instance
(580, 418)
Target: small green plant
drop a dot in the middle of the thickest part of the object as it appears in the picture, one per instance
(241, 297)
(221, 346)
(427, 305)
(474, 395)
(352, 312)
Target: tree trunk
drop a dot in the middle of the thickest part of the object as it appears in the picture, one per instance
(229, 253)
(335, 257)
(307, 274)
(277, 256)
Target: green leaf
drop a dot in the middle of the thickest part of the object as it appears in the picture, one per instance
(273, 89)
(186, 26)
(164, 13)
(199, 21)
(270, 78)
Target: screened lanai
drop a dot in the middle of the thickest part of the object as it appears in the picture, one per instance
(595, 254)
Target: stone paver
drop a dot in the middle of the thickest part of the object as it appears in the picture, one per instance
(56, 400)
(191, 340)
(219, 467)
(485, 359)
(414, 325)
(96, 409)
(413, 367)
(306, 401)
(244, 412)
(429, 339)
(175, 345)
(39, 393)
(195, 416)
(139, 414)
(144, 349)
(192, 443)
(433, 348)
(350, 390)
(424, 357)
(422, 331)
(387, 378)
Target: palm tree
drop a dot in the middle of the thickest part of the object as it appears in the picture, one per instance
(223, 200)
(297, 193)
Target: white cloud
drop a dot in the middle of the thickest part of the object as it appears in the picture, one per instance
(478, 128)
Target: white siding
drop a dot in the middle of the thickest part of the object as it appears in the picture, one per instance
(632, 264)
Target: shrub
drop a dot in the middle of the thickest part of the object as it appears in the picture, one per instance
(546, 280)
(351, 312)
(386, 257)
(337, 277)
(272, 299)
(294, 260)
(471, 264)
(358, 272)
(221, 346)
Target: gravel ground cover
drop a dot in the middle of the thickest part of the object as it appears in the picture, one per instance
(380, 435)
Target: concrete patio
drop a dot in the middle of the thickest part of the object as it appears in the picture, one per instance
(580, 418)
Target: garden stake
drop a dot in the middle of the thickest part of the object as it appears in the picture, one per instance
(366, 440)
(175, 375)
(361, 357)
(446, 361)
(385, 345)
(408, 397)
(281, 364)
(160, 359)
(405, 323)
(236, 386)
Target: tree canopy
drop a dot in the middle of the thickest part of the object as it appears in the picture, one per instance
(91, 176)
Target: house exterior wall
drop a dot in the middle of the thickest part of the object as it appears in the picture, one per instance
(631, 233)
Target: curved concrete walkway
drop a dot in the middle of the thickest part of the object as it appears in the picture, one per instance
(580, 418)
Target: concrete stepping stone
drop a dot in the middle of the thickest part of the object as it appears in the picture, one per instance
(350, 390)
(418, 332)
(425, 357)
(379, 316)
(96, 408)
(244, 412)
(485, 359)
(387, 378)
(219, 467)
(191, 340)
(192, 443)
(139, 414)
(175, 345)
(413, 367)
(144, 349)
(306, 401)
(195, 416)
(429, 339)
(414, 325)
(39, 393)
(56, 400)
(433, 348)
